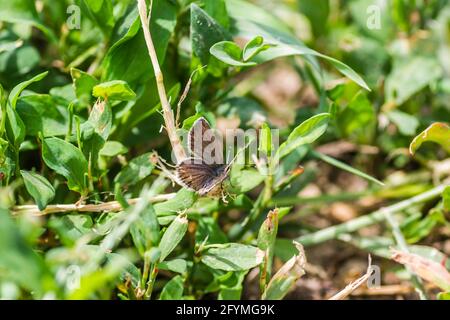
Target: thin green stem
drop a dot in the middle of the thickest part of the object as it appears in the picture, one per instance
(367, 220)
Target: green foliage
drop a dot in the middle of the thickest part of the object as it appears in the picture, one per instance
(332, 101)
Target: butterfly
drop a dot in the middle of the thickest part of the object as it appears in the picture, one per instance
(199, 172)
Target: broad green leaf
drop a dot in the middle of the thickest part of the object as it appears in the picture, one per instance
(71, 227)
(406, 123)
(173, 235)
(317, 13)
(137, 169)
(39, 188)
(248, 25)
(175, 265)
(128, 59)
(357, 120)
(42, 113)
(229, 53)
(307, 132)
(24, 12)
(66, 160)
(266, 242)
(18, 261)
(205, 32)
(217, 9)
(83, 83)
(409, 77)
(15, 127)
(183, 200)
(173, 290)
(94, 133)
(231, 257)
(17, 90)
(114, 90)
(112, 149)
(443, 295)
(253, 47)
(245, 179)
(145, 230)
(437, 132)
(101, 12)
(209, 231)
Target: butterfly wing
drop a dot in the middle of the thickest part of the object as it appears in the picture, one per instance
(202, 138)
(199, 176)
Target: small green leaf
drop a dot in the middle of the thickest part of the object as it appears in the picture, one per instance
(173, 290)
(175, 265)
(229, 53)
(285, 278)
(205, 32)
(307, 132)
(265, 140)
(438, 132)
(173, 235)
(145, 230)
(15, 127)
(253, 47)
(39, 188)
(66, 160)
(136, 170)
(406, 124)
(112, 149)
(245, 179)
(183, 200)
(114, 90)
(266, 242)
(83, 83)
(446, 198)
(17, 90)
(232, 257)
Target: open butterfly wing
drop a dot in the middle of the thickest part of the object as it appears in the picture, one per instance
(204, 143)
(199, 176)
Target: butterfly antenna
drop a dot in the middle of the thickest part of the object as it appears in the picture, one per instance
(161, 164)
(238, 152)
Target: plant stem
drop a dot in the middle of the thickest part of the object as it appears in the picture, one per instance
(367, 220)
(106, 206)
(167, 110)
(151, 281)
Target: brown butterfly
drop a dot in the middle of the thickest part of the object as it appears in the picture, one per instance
(199, 172)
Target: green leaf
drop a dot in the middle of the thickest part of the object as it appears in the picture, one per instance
(175, 265)
(17, 90)
(183, 200)
(244, 179)
(173, 290)
(43, 113)
(307, 132)
(137, 169)
(358, 119)
(205, 32)
(83, 83)
(446, 198)
(101, 12)
(231, 257)
(39, 188)
(218, 11)
(253, 47)
(285, 278)
(265, 140)
(66, 160)
(208, 230)
(443, 295)
(112, 149)
(71, 227)
(15, 127)
(114, 90)
(438, 132)
(173, 235)
(406, 124)
(18, 262)
(409, 77)
(229, 53)
(266, 242)
(248, 25)
(127, 59)
(145, 230)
